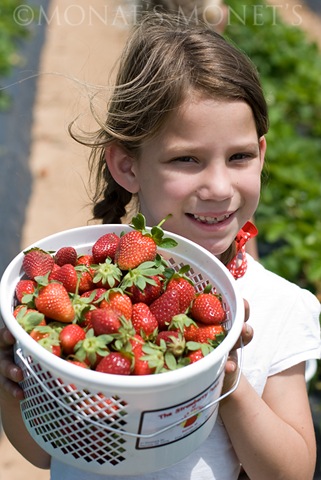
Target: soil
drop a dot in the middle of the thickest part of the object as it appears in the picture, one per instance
(82, 43)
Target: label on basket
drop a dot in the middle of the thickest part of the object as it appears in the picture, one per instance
(171, 424)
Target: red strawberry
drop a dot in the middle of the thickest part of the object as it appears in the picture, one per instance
(150, 292)
(48, 338)
(85, 273)
(69, 336)
(115, 363)
(50, 344)
(140, 246)
(144, 322)
(28, 318)
(25, 287)
(97, 294)
(174, 341)
(37, 263)
(67, 275)
(203, 333)
(185, 289)
(207, 308)
(66, 255)
(105, 321)
(106, 275)
(38, 333)
(165, 308)
(133, 249)
(86, 260)
(105, 247)
(196, 355)
(54, 302)
(141, 367)
(92, 349)
(119, 302)
(78, 364)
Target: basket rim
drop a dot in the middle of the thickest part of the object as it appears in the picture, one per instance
(100, 380)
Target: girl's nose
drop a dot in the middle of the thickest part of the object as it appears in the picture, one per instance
(215, 184)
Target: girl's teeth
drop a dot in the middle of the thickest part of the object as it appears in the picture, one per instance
(210, 220)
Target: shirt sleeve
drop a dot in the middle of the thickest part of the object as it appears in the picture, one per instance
(299, 338)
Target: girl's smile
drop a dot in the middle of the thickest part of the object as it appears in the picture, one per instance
(204, 168)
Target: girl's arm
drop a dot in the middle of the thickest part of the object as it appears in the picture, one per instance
(273, 436)
(10, 397)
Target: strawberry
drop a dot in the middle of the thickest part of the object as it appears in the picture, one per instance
(66, 275)
(48, 338)
(96, 293)
(152, 289)
(119, 302)
(105, 321)
(204, 333)
(77, 363)
(105, 247)
(29, 318)
(92, 349)
(173, 340)
(51, 344)
(115, 363)
(141, 367)
(54, 302)
(195, 356)
(140, 245)
(134, 248)
(69, 336)
(185, 289)
(165, 308)
(207, 308)
(37, 263)
(106, 275)
(144, 322)
(25, 288)
(83, 265)
(66, 255)
(86, 260)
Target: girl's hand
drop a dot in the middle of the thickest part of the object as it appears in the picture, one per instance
(232, 367)
(10, 373)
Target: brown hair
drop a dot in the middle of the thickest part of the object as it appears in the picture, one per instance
(164, 59)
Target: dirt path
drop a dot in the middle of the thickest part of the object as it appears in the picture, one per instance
(83, 42)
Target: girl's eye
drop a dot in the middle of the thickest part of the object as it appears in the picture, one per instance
(241, 156)
(185, 159)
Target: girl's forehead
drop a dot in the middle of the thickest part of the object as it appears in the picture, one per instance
(204, 119)
(196, 105)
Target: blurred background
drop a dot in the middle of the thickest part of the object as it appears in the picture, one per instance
(55, 54)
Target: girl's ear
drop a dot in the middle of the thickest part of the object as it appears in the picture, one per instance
(120, 165)
(262, 144)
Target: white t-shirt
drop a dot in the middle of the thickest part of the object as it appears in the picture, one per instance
(285, 319)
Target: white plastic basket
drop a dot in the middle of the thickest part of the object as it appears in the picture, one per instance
(113, 424)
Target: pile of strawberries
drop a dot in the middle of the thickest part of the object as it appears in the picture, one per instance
(120, 309)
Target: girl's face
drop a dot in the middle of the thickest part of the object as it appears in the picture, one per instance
(204, 168)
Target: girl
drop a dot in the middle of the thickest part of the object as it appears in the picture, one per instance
(184, 135)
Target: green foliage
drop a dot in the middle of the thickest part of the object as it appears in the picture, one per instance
(11, 32)
(289, 65)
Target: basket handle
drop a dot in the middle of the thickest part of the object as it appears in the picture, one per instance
(120, 431)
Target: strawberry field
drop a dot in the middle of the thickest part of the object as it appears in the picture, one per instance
(289, 65)
(11, 35)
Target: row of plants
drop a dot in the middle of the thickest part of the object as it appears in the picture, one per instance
(289, 65)
(12, 32)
